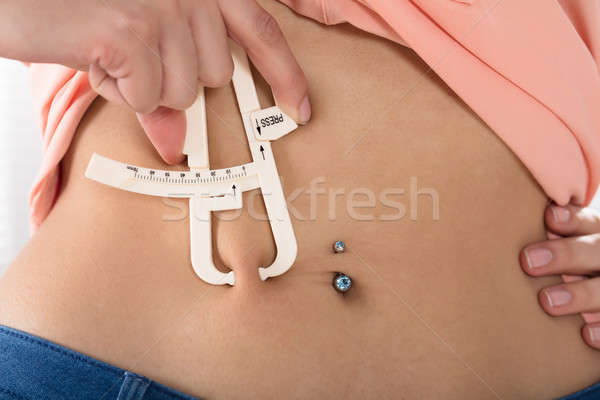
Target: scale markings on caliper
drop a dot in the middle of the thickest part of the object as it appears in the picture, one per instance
(218, 190)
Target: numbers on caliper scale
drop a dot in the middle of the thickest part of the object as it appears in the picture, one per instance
(187, 177)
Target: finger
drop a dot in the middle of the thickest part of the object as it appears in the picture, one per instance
(166, 130)
(180, 62)
(574, 255)
(128, 71)
(105, 85)
(572, 220)
(258, 32)
(215, 66)
(591, 335)
(571, 298)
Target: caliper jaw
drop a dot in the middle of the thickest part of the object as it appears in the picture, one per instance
(261, 126)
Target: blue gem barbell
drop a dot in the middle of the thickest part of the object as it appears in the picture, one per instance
(342, 282)
(339, 247)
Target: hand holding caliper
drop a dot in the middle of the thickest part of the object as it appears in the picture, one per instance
(216, 190)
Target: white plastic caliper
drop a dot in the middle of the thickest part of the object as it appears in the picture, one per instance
(216, 190)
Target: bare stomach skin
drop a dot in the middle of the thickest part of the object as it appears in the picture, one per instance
(434, 210)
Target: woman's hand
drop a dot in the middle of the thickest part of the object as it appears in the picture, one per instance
(577, 252)
(153, 54)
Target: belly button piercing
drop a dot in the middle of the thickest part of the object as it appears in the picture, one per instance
(342, 282)
(339, 247)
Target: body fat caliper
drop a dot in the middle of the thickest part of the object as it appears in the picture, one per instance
(216, 190)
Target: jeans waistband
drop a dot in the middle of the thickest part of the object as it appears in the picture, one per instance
(33, 368)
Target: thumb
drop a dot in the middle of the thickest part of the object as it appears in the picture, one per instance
(165, 128)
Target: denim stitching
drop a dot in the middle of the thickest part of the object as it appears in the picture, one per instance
(129, 387)
(133, 382)
(70, 353)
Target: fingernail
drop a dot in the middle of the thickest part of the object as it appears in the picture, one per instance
(538, 257)
(561, 214)
(594, 332)
(304, 111)
(557, 296)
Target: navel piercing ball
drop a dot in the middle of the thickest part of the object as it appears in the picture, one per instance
(339, 247)
(342, 282)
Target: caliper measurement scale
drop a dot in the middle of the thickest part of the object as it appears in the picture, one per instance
(218, 190)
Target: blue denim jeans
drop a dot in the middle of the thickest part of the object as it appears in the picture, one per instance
(589, 393)
(32, 368)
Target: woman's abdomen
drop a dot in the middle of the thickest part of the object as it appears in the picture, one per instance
(432, 206)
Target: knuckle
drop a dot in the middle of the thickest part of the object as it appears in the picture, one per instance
(141, 105)
(218, 77)
(108, 54)
(215, 80)
(267, 28)
(144, 108)
(188, 98)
